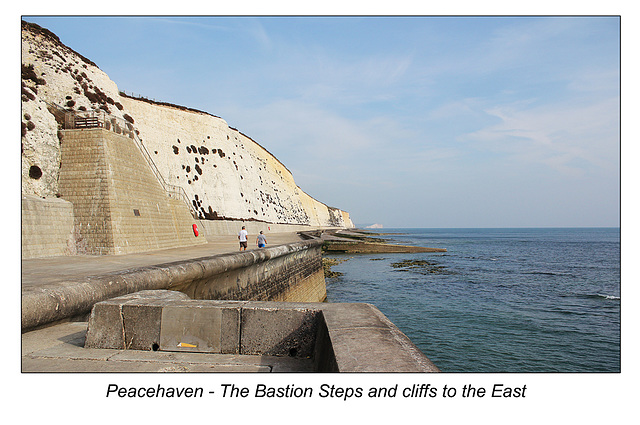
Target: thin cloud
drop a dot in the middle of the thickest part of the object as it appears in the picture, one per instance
(564, 136)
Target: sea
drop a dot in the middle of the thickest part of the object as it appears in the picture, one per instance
(499, 300)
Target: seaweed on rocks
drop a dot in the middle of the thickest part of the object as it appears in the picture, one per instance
(420, 266)
(327, 263)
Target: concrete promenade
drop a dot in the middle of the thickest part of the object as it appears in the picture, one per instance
(52, 270)
(59, 347)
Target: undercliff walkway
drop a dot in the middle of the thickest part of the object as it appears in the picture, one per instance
(57, 270)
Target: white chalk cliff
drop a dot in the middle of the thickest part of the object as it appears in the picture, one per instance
(224, 173)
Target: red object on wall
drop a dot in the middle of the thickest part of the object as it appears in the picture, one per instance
(195, 229)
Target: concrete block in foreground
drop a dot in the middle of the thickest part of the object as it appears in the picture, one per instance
(200, 327)
(107, 327)
(273, 331)
(336, 337)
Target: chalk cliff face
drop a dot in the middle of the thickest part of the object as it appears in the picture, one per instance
(224, 173)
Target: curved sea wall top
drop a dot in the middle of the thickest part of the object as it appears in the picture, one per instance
(225, 174)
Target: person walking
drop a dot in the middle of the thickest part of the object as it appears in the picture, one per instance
(242, 237)
(261, 241)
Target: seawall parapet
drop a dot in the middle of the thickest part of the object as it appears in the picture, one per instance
(289, 272)
(332, 337)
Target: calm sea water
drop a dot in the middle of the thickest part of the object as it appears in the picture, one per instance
(500, 300)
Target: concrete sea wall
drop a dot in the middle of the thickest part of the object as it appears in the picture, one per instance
(47, 227)
(119, 206)
(291, 272)
(349, 337)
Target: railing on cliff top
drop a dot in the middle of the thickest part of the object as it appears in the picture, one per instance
(101, 119)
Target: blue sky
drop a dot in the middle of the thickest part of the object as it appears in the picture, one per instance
(403, 121)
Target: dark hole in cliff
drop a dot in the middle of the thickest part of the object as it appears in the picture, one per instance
(188, 149)
(155, 346)
(188, 169)
(194, 149)
(35, 172)
(175, 149)
(293, 352)
(198, 169)
(196, 197)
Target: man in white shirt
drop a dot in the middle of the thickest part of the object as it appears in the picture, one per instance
(242, 237)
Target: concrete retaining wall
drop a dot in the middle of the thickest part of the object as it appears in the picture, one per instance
(119, 205)
(283, 273)
(337, 337)
(291, 272)
(47, 227)
(232, 227)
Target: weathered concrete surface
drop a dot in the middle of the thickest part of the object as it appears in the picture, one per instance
(278, 331)
(47, 227)
(141, 328)
(337, 337)
(119, 206)
(54, 270)
(60, 348)
(56, 300)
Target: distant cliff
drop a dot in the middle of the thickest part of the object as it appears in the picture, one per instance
(225, 174)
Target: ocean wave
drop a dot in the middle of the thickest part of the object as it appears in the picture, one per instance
(607, 297)
(594, 296)
(551, 273)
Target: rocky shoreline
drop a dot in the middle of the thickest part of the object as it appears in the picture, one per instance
(357, 241)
